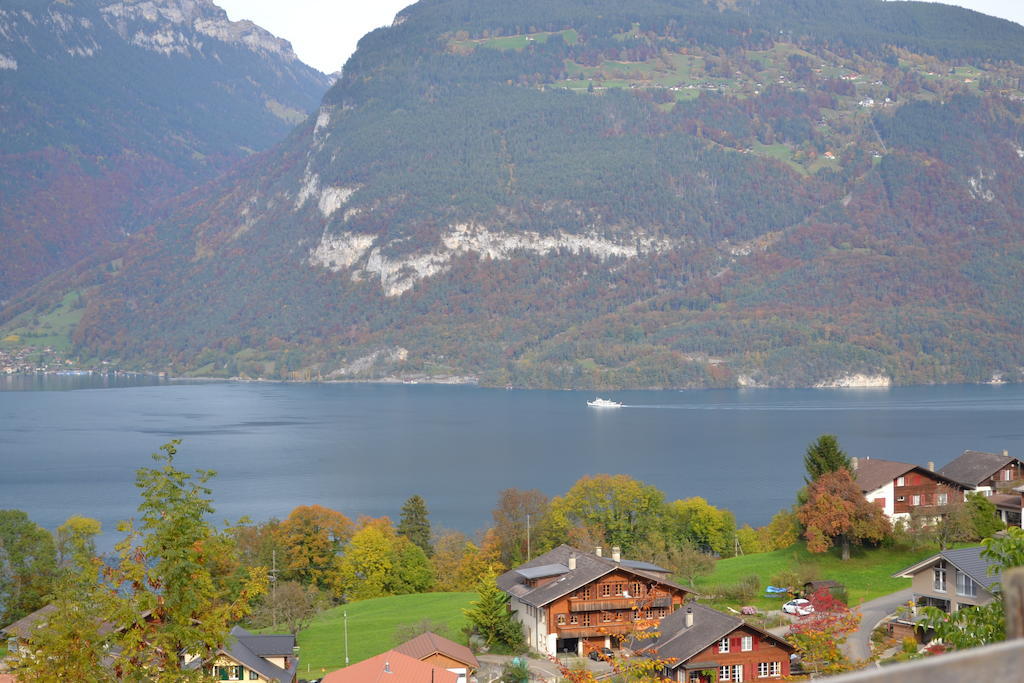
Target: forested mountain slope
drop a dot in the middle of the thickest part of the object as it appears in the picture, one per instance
(568, 193)
(109, 108)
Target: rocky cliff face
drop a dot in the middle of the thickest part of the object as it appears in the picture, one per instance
(112, 108)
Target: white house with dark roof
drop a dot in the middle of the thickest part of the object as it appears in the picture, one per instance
(992, 474)
(953, 579)
(900, 488)
(571, 600)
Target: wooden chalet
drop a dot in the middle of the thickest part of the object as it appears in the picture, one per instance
(985, 472)
(569, 600)
(900, 488)
(698, 644)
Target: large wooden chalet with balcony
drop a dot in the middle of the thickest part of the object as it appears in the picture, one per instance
(569, 600)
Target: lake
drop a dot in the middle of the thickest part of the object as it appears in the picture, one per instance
(364, 448)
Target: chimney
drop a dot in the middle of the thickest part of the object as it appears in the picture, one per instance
(616, 553)
(1006, 453)
(931, 466)
(689, 617)
(597, 551)
(572, 561)
(853, 463)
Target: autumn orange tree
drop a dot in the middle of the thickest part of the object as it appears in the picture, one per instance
(818, 636)
(313, 537)
(836, 512)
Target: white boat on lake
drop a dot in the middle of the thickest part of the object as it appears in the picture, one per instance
(603, 403)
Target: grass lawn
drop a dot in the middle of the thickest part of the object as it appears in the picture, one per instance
(866, 575)
(371, 627)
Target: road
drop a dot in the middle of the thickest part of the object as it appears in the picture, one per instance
(858, 645)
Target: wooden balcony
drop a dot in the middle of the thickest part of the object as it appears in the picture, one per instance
(615, 628)
(612, 604)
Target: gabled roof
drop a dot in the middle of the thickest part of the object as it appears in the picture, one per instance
(967, 560)
(680, 643)
(589, 568)
(427, 644)
(874, 473)
(245, 648)
(974, 467)
(391, 667)
(1006, 501)
(22, 628)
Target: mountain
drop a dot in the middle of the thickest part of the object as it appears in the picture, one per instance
(570, 193)
(109, 109)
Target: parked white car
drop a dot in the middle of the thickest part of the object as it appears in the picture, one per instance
(799, 607)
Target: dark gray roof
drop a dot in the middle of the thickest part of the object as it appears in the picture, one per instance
(974, 467)
(967, 560)
(249, 649)
(545, 570)
(589, 567)
(678, 643)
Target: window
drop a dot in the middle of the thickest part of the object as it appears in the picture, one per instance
(660, 612)
(769, 669)
(695, 677)
(606, 617)
(900, 499)
(737, 673)
(606, 590)
(253, 676)
(965, 585)
(586, 619)
(941, 498)
(585, 593)
(573, 619)
(725, 673)
(723, 646)
(619, 587)
(900, 481)
(747, 644)
(560, 619)
(635, 587)
(939, 576)
(915, 500)
(1007, 475)
(618, 615)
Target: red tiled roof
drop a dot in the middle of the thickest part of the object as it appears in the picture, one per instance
(8, 678)
(391, 667)
(426, 644)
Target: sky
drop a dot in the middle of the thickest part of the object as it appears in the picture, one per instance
(325, 32)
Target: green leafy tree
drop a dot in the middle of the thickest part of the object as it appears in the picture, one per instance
(411, 570)
(414, 523)
(824, 456)
(77, 538)
(28, 565)
(697, 522)
(983, 515)
(837, 513)
(490, 617)
(172, 594)
(617, 508)
(368, 561)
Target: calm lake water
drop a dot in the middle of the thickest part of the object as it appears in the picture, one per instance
(364, 449)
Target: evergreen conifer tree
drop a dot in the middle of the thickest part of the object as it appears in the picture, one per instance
(490, 617)
(824, 456)
(414, 523)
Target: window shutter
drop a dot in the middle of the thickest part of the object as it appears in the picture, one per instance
(734, 644)
(757, 643)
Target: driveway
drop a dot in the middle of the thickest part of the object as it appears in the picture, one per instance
(540, 669)
(858, 645)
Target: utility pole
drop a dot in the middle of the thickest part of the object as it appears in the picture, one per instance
(345, 613)
(273, 585)
(527, 536)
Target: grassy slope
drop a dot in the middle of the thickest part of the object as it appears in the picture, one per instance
(867, 574)
(371, 627)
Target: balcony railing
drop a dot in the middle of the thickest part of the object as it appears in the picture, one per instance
(610, 604)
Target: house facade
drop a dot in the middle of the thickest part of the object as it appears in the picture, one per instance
(698, 644)
(901, 488)
(569, 600)
(441, 653)
(952, 579)
(250, 657)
